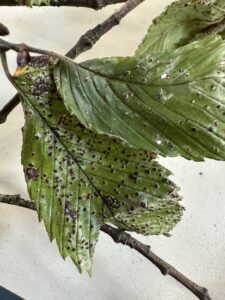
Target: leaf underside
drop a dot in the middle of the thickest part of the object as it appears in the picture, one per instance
(79, 179)
(182, 22)
(171, 103)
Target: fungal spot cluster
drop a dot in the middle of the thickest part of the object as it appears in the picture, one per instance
(32, 173)
(40, 85)
(111, 201)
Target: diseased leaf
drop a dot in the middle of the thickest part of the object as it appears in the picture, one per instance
(65, 199)
(172, 104)
(79, 179)
(182, 22)
(149, 217)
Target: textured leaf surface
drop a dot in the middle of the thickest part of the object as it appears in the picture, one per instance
(172, 104)
(66, 200)
(180, 23)
(79, 179)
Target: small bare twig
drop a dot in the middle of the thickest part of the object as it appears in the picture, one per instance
(87, 41)
(6, 46)
(94, 4)
(8, 108)
(120, 236)
(17, 200)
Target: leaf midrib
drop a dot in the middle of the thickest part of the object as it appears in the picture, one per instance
(187, 82)
(63, 145)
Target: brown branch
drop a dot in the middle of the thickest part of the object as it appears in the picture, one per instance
(6, 46)
(94, 4)
(8, 108)
(120, 236)
(88, 40)
(85, 43)
(17, 200)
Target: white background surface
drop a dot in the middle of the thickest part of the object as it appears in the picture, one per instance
(30, 265)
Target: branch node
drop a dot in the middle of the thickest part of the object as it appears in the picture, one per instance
(116, 19)
(23, 56)
(164, 271)
(87, 41)
(205, 292)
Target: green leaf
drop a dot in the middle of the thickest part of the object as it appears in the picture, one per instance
(172, 104)
(65, 196)
(181, 23)
(79, 179)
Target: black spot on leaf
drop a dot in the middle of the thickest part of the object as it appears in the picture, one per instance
(111, 201)
(32, 173)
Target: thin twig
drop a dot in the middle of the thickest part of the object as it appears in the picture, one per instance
(120, 236)
(94, 4)
(8, 108)
(87, 40)
(85, 43)
(17, 200)
(6, 46)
